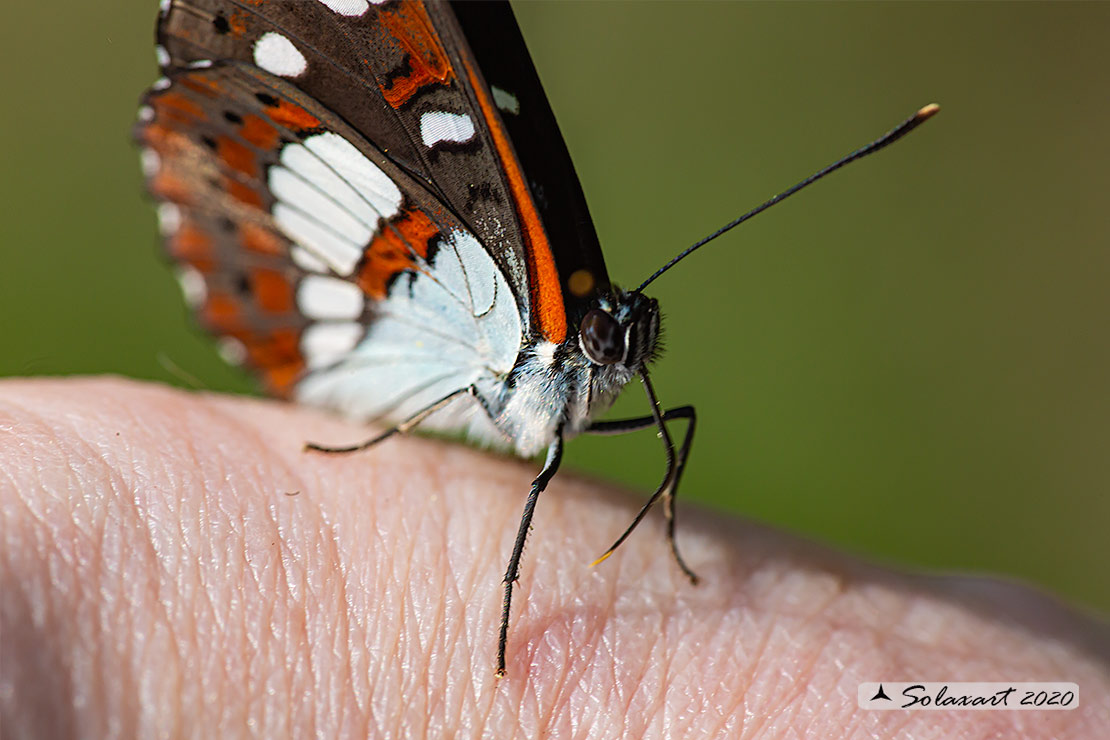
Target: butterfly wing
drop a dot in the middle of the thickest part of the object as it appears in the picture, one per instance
(348, 203)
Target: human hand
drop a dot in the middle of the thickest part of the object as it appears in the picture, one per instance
(174, 564)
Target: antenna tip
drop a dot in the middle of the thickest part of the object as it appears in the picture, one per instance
(602, 559)
(927, 112)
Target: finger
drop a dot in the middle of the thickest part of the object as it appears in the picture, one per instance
(185, 546)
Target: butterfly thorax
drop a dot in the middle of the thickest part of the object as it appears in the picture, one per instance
(566, 386)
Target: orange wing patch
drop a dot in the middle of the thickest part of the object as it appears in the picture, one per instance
(276, 354)
(193, 246)
(237, 155)
(256, 131)
(294, 117)
(272, 291)
(391, 251)
(408, 24)
(256, 238)
(546, 293)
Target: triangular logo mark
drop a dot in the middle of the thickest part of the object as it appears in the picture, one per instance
(880, 694)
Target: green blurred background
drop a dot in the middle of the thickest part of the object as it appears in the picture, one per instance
(909, 360)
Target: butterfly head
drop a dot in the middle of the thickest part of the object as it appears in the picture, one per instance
(620, 331)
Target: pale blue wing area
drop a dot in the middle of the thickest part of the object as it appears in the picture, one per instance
(449, 325)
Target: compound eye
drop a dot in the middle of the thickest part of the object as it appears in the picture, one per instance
(602, 338)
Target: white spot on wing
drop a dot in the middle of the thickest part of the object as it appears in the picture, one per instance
(308, 197)
(146, 113)
(277, 55)
(169, 219)
(324, 344)
(505, 100)
(305, 260)
(232, 350)
(437, 126)
(373, 186)
(160, 84)
(161, 55)
(328, 299)
(339, 254)
(347, 7)
(150, 162)
(192, 285)
(330, 198)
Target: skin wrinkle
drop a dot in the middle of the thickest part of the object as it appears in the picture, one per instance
(162, 618)
(54, 678)
(334, 589)
(784, 696)
(443, 632)
(574, 667)
(354, 586)
(421, 637)
(57, 444)
(758, 660)
(92, 535)
(456, 637)
(578, 664)
(327, 538)
(315, 677)
(804, 689)
(216, 501)
(809, 669)
(251, 438)
(731, 708)
(788, 701)
(668, 677)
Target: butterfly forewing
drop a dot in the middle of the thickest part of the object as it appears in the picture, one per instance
(385, 70)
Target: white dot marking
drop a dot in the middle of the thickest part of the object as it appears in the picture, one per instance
(351, 8)
(292, 189)
(150, 162)
(193, 286)
(330, 199)
(307, 261)
(161, 55)
(329, 299)
(324, 344)
(277, 55)
(232, 351)
(505, 100)
(169, 219)
(339, 254)
(374, 186)
(437, 126)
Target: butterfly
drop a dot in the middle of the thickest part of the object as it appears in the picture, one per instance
(372, 206)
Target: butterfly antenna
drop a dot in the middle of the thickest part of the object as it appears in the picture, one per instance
(890, 137)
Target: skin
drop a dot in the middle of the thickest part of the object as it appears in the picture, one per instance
(174, 565)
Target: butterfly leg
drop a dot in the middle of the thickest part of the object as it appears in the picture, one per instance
(401, 428)
(512, 573)
(676, 464)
